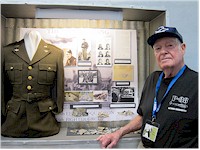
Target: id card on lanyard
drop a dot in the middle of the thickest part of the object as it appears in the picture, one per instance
(151, 127)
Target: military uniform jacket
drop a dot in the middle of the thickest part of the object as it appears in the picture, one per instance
(32, 91)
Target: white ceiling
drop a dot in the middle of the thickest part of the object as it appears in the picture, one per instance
(28, 11)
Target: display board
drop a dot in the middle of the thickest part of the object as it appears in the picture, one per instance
(101, 77)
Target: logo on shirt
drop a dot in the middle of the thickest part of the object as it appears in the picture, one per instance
(178, 103)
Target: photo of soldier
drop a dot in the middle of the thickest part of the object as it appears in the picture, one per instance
(71, 60)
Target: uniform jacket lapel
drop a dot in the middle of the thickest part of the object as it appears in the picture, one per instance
(41, 52)
(21, 52)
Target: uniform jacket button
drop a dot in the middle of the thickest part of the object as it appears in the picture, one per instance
(30, 77)
(29, 87)
(50, 107)
(30, 67)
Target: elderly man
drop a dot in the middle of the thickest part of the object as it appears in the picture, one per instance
(168, 109)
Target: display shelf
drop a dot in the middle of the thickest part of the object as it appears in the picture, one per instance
(60, 140)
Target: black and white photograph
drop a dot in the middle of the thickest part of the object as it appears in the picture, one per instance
(100, 96)
(122, 94)
(104, 77)
(103, 52)
(107, 62)
(87, 77)
(84, 49)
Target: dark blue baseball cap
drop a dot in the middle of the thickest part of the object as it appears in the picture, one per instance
(164, 31)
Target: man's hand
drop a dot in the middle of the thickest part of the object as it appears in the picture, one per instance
(109, 140)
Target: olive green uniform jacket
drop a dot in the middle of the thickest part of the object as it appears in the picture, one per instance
(32, 91)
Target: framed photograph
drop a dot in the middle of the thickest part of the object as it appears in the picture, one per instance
(86, 77)
(123, 94)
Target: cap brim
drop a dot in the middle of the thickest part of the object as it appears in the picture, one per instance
(152, 39)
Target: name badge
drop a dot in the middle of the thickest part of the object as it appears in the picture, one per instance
(150, 130)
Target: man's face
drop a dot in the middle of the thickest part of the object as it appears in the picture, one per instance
(169, 52)
(69, 55)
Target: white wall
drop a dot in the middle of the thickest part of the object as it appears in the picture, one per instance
(182, 14)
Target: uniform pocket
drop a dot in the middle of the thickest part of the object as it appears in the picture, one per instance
(46, 105)
(13, 106)
(14, 72)
(47, 73)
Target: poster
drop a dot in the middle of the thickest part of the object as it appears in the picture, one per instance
(97, 63)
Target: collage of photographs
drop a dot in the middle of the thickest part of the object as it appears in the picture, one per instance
(97, 74)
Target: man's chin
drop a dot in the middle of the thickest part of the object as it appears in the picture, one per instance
(165, 66)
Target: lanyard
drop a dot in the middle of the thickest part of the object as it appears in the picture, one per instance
(156, 106)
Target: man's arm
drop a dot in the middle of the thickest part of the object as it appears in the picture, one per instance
(111, 140)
